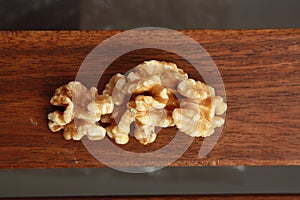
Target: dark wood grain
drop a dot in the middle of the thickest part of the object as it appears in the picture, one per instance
(260, 70)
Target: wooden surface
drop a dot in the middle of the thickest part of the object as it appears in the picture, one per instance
(260, 70)
(202, 197)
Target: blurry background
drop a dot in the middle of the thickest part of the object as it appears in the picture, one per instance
(126, 14)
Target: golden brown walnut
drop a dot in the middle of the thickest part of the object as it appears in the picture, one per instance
(146, 121)
(158, 79)
(115, 88)
(159, 94)
(144, 134)
(196, 116)
(83, 108)
(110, 86)
(121, 130)
(142, 78)
(146, 112)
(153, 72)
(81, 128)
(193, 89)
(150, 113)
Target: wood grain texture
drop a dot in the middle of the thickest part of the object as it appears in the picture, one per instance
(260, 70)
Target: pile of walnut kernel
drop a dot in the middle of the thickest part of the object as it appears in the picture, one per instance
(154, 94)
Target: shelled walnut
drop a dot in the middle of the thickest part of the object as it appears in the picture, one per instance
(153, 94)
(197, 114)
(83, 108)
(146, 111)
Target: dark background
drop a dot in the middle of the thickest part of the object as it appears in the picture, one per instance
(126, 14)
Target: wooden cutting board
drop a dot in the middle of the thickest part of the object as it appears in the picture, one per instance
(260, 70)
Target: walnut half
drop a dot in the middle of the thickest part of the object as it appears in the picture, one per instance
(197, 114)
(83, 109)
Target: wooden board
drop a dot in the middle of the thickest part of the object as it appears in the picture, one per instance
(260, 70)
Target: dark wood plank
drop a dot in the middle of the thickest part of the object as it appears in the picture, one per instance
(260, 69)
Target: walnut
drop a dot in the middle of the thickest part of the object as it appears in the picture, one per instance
(121, 130)
(102, 105)
(152, 88)
(196, 116)
(220, 106)
(143, 103)
(115, 88)
(144, 77)
(110, 86)
(193, 89)
(149, 116)
(144, 134)
(159, 94)
(146, 113)
(158, 79)
(82, 128)
(163, 73)
(83, 108)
